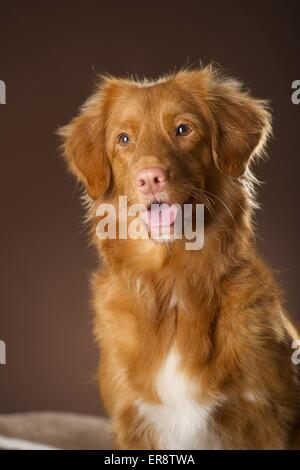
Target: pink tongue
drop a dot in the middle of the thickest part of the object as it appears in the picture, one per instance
(160, 215)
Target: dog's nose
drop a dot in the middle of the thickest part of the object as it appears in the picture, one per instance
(151, 180)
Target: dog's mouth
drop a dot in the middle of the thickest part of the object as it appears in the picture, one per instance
(161, 216)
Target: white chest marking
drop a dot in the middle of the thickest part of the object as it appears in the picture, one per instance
(180, 421)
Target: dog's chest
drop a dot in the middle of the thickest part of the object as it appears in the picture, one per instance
(179, 420)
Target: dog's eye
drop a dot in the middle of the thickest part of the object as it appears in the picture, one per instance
(183, 130)
(123, 139)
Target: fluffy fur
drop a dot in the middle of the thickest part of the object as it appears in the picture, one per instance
(195, 345)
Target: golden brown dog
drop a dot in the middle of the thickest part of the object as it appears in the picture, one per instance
(195, 345)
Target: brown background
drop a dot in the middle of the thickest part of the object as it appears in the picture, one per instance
(49, 55)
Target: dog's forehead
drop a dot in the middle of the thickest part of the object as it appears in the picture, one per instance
(148, 99)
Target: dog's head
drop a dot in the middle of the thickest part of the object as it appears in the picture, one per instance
(166, 140)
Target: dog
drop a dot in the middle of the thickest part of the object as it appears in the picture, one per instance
(195, 345)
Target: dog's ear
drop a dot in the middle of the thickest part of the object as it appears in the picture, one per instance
(84, 145)
(240, 129)
(239, 125)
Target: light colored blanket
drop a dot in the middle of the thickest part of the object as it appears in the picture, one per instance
(49, 430)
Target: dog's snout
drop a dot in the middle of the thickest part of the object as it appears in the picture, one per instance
(151, 180)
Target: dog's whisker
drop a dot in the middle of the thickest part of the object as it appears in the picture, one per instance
(198, 194)
(223, 203)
